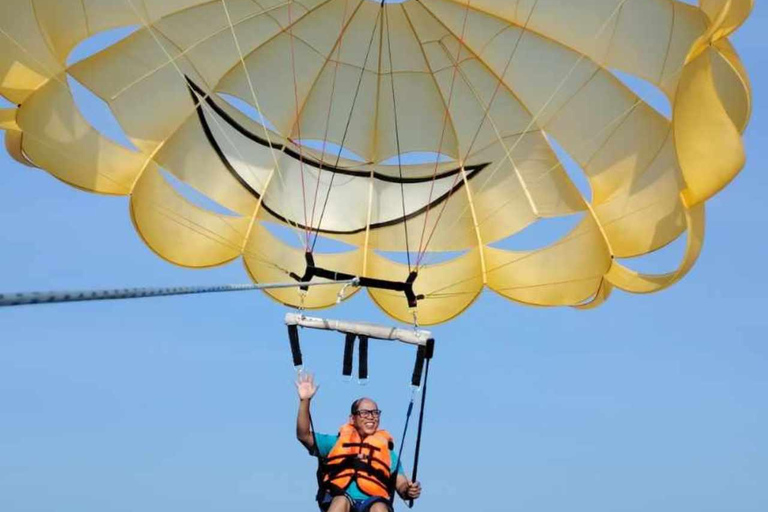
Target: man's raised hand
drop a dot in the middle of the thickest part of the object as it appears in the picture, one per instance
(305, 386)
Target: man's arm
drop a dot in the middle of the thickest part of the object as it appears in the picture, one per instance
(406, 489)
(306, 388)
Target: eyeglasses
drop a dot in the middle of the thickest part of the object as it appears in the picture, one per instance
(368, 414)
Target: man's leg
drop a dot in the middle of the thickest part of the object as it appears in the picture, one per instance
(339, 504)
(380, 506)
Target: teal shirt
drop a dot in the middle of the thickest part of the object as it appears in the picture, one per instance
(325, 444)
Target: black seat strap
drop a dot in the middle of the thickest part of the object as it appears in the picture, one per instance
(293, 337)
(362, 363)
(349, 349)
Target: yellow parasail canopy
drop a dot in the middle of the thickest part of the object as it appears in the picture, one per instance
(483, 86)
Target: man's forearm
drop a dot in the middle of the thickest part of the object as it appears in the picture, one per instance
(303, 428)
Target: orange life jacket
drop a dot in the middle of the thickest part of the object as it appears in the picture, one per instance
(365, 461)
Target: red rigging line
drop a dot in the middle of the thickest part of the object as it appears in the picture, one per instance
(346, 128)
(298, 126)
(397, 139)
(337, 49)
(486, 112)
(420, 254)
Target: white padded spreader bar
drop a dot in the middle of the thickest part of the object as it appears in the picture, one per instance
(381, 332)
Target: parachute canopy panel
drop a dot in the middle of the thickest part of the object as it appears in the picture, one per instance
(421, 135)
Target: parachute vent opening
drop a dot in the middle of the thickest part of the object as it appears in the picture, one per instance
(417, 158)
(248, 110)
(4, 103)
(649, 93)
(194, 196)
(390, 1)
(330, 149)
(661, 261)
(98, 42)
(575, 172)
(98, 114)
(541, 234)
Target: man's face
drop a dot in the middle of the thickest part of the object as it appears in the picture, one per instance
(366, 420)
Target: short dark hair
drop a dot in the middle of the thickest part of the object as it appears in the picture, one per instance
(356, 405)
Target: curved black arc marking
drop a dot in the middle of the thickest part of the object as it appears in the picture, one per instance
(311, 161)
(195, 91)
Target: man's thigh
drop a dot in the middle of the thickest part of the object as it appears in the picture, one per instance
(338, 504)
(377, 506)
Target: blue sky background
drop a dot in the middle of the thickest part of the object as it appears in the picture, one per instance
(647, 403)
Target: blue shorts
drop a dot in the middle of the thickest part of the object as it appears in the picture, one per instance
(355, 505)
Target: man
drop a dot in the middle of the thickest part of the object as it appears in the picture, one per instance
(356, 465)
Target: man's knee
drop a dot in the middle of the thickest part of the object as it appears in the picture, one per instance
(339, 504)
(379, 507)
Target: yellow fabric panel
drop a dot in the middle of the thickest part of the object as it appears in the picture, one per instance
(206, 37)
(63, 23)
(486, 82)
(631, 143)
(58, 139)
(13, 144)
(107, 14)
(420, 114)
(449, 288)
(729, 13)
(8, 119)
(646, 213)
(337, 85)
(565, 273)
(732, 84)
(270, 260)
(709, 146)
(602, 295)
(189, 156)
(179, 231)
(26, 60)
(637, 282)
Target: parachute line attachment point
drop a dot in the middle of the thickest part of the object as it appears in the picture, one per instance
(312, 270)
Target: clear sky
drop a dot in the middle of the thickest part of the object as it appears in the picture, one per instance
(647, 403)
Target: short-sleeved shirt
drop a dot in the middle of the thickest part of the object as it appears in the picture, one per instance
(326, 442)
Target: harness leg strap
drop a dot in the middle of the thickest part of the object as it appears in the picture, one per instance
(362, 363)
(349, 349)
(293, 337)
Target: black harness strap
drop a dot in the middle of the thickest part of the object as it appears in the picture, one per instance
(293, 336)
(349, 348)
(418, 366)
(405, 287)
(362, 363)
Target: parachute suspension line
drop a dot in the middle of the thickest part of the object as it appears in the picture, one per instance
(486, 111)
(256, 103)
(172, 60)
(307, 227)
(28, 298)
(337, 50)
(397, 136)
(346, 128)
(446, 115)
(486, 114)
(534, 118)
